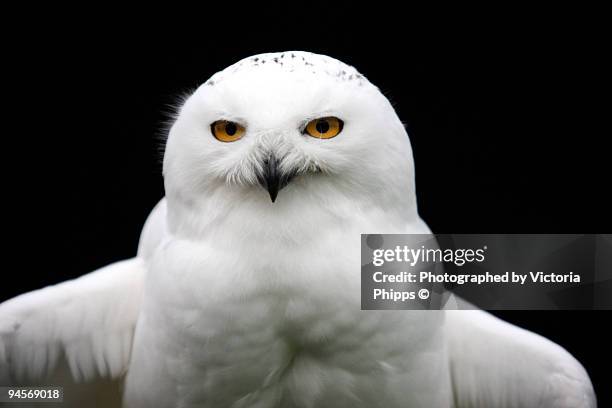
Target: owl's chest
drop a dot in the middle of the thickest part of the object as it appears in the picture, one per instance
(282, 327)
(257, 291)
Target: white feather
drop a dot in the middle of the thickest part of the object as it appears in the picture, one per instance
(81, 323)
(495, 364)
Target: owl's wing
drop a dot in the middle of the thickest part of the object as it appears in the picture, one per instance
(496, 365)
(74, 332)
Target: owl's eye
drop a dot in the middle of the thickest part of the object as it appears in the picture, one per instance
(227, 131)
(324, 128)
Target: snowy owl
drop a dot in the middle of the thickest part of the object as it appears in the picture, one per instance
(246, 288)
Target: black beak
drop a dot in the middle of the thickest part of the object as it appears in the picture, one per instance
(272, 179)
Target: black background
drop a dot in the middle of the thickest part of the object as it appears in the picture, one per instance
(504, 118)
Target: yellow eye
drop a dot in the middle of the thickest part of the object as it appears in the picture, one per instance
(226, 131)
(324, 128)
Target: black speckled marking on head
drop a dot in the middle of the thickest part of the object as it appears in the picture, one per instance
(298, 61)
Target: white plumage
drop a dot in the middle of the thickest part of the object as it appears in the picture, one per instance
(235, 301)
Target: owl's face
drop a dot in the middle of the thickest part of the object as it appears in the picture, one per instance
(304, 123)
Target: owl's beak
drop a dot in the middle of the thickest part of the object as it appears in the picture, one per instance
(272, 178)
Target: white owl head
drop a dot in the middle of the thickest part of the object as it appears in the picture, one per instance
(303, 123)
